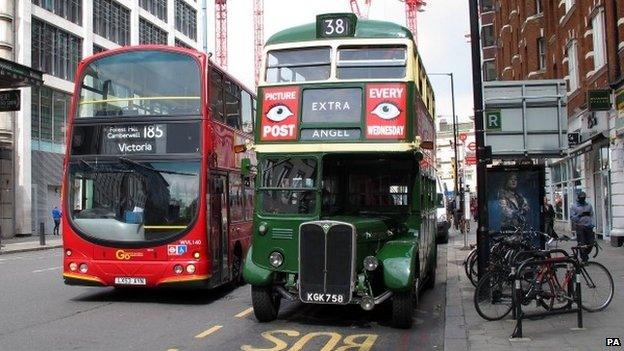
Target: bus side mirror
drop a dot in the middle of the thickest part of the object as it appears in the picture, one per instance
(440, 200)
(245, 167)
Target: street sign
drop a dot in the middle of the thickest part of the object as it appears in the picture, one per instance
(9, 100)
(573, 139)
(472, 146)
(525, 118)
(471, 160)
(463, 136)
(599, 100)
(493, 120)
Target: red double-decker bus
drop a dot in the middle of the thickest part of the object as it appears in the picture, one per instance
(154, 193)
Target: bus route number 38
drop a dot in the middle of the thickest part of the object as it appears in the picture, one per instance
(335, 27)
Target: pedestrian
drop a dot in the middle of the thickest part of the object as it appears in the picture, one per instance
(56, 216)
(582, 217)
(548, 215)
(473, 208)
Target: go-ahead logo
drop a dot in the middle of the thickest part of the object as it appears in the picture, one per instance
(126, 255)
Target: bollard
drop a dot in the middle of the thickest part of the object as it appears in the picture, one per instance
(579, 303)
(42, 234)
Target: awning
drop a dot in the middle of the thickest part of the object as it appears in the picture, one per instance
(14, 75)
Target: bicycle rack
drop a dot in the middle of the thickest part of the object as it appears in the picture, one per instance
(519, 315)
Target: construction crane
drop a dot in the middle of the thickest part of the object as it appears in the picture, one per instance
(412, 7)
(221, 32)
(258, 36)
(361, 12)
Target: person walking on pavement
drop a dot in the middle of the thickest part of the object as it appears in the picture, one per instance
(548, 214)
(56, 216)
(582, 217)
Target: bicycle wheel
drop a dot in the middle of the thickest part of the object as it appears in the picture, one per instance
(467, 260)
(596, 287)
(562, 287)
(492, 298)
(472, 268)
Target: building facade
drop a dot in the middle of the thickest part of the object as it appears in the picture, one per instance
(53, 36)
(581, 41)
(445, 156)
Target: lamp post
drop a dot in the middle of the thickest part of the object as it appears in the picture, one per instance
(477, 83)
(459, 192)
(456, 178)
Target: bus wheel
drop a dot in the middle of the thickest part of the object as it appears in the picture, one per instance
(403, 304)
(237, 269)
(265, 302)
(431, 278)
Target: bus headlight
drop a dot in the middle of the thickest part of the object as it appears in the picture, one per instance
(178, 269)
(196, 255)
(84, 268)
(68, 253)
(263, 228)
(73, 266)
(371, 263)
(276, 259)
(190, 268)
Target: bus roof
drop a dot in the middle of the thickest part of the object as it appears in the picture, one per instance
(363, 29)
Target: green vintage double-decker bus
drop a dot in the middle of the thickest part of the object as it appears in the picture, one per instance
(345, 192)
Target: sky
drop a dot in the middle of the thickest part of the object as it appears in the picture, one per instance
(441, 39)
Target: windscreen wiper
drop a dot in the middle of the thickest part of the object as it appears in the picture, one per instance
(87, 164)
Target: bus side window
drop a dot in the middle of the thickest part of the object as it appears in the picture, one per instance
(246, 112)
(216, 95)
(232, 105)
(236, 197)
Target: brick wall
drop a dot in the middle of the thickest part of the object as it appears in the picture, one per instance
(518, 26)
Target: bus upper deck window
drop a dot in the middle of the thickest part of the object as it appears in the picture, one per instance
(372, 62)
(298, 65)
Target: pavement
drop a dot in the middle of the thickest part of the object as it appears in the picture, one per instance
(466, 330)
(29, 243)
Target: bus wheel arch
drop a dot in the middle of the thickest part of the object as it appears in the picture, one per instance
(399, 260)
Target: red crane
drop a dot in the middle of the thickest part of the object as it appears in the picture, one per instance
(363, 11)
(412, 7)
(221, 32)
(258, 36)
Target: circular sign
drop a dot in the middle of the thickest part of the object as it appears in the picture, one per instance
(472, 146)
(463, 136)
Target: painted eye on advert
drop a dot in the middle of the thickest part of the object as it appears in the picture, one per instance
(386, 110)
(279, 113)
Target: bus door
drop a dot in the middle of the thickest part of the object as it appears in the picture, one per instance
(218, 228)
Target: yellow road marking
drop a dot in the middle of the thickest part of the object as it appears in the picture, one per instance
(172, 350)
(208, 332)
(245, 313)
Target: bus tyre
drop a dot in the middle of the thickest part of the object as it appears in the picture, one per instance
(265, 302)
(237, 269)
(431, 276)
(403, 304)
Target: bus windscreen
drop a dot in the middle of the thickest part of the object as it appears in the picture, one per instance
(150, 83)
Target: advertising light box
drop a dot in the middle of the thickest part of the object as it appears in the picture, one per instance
(526, 117)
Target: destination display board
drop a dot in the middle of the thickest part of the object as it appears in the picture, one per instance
(332, 105)
(135, 138)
